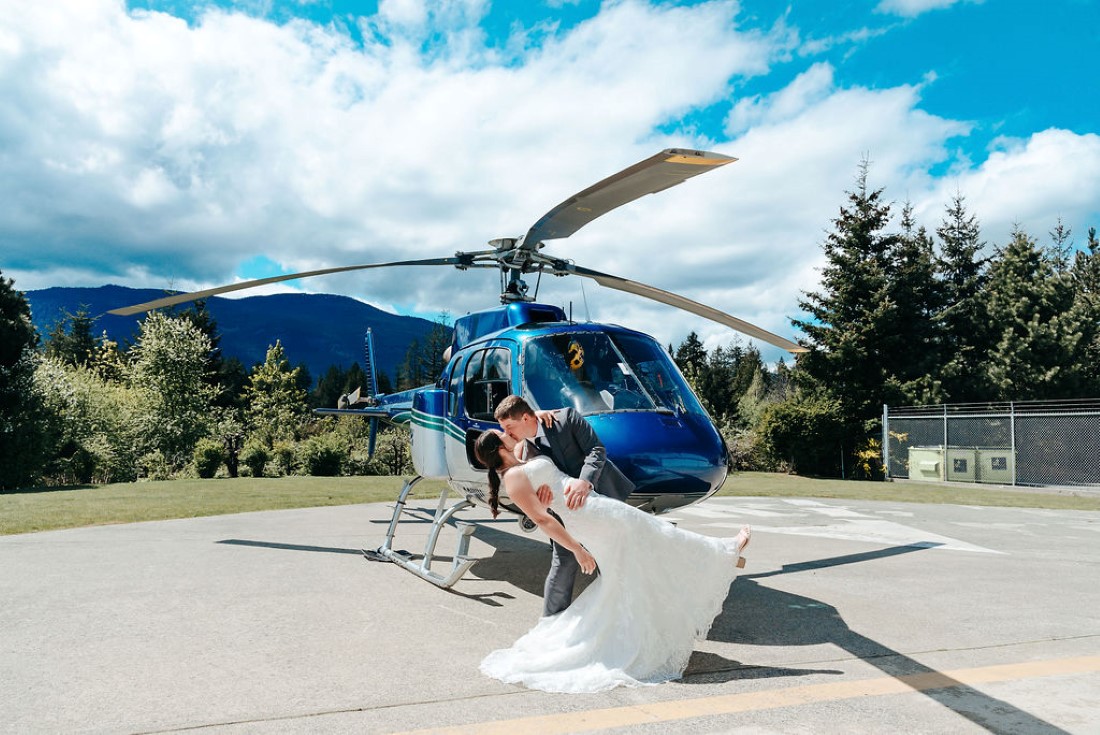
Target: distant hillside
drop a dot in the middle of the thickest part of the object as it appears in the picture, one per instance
(316, 329)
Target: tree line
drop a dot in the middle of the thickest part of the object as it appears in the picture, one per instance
(902, 317)
(76, 408)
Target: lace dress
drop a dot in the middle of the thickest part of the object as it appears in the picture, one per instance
(658, 591)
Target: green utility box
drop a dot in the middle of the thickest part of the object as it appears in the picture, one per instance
(926, 463)
(962, 464)
(996, 464)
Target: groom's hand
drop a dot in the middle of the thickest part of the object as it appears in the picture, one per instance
(576, 492)
(545, 494)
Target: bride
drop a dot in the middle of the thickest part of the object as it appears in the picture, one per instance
(659, 587)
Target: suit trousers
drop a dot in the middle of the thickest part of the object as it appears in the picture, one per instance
(557, 594)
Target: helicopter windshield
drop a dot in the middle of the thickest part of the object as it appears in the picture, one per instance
(594, 372)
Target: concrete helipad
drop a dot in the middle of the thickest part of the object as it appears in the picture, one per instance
(851, 617)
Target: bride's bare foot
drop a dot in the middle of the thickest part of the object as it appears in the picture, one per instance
(740, 542)
(743, 538)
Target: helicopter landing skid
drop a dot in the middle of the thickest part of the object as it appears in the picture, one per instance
(460, 563)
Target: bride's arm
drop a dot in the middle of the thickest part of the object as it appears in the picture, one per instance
(522, 494)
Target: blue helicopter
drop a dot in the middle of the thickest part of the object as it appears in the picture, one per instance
(621, 380)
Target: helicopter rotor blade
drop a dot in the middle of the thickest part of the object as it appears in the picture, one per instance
(654, 174)
(680, 302)
(196, 295)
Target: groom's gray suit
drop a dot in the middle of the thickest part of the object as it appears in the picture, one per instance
(577, 452)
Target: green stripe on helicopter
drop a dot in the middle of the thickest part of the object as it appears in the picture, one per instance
(438, 423)
(455, 432)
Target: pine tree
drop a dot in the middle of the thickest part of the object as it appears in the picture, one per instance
(1037, 327)
(23, 446)
(71, 340)
(691, 355)
(962, 319)
(16, 328)
(275, 404)
(853, 317)
(1086, 283)
(909, 346)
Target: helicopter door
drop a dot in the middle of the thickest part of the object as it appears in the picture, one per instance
(488, 381)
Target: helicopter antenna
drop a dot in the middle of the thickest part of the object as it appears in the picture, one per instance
(538, 280)
(587, 316)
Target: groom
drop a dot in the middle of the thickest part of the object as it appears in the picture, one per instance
(574, 447)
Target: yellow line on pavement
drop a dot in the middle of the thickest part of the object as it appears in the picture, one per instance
(600, 719)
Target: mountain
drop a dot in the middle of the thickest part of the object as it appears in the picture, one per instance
(319, 330)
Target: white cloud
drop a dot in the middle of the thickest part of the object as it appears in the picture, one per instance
(913, 8)
(1028, 183)
(148, 152)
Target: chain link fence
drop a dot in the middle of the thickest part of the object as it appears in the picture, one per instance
(1025, 443)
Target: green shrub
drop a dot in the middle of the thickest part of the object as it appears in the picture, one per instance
(804, 432)
(208, 457)
(255, 457)
(283, 454)
(153, 466)
(323, 455)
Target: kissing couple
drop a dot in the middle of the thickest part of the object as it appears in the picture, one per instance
(659, 587)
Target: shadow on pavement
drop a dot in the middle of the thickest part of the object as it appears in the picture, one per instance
(757, 615)
(753, 614)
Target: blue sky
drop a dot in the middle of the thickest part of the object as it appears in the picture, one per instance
(174, 144)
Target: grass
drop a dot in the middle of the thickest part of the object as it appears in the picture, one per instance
(90, 505)
(44, 510)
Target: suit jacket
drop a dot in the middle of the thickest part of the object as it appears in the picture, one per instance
(578, 452)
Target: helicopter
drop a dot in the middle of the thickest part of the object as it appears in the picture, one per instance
(621, 380)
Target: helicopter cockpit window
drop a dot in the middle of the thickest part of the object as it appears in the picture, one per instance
(658, 374)
(584, 371)
(488, 381)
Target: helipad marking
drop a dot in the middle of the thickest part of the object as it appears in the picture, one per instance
(724, 513)
(848, 526)
(655, 712)
(875, 532)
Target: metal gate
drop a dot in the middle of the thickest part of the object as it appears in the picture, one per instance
(1019, 443)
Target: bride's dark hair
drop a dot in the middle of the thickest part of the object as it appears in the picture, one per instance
(487, 448)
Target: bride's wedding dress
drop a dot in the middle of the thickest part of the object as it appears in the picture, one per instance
(658, 590)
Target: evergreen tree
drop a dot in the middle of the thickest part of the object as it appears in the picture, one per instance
(909, 343)
(108, 360)
(329, 388)
(717, 382)
(169, 370)
(424, 363)
(1061, 247)
(337, 382)
(22, 442)
(962, 321)
(1086, 284)
(275, 404)
(16, 328)
(227, 375)
(691, 356)
(71, 340)
(410, 370)
(854, 316)
(1037, 326)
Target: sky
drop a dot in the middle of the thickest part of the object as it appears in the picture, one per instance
(170, 144)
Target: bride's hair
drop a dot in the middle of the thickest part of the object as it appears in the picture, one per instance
(487, 448)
